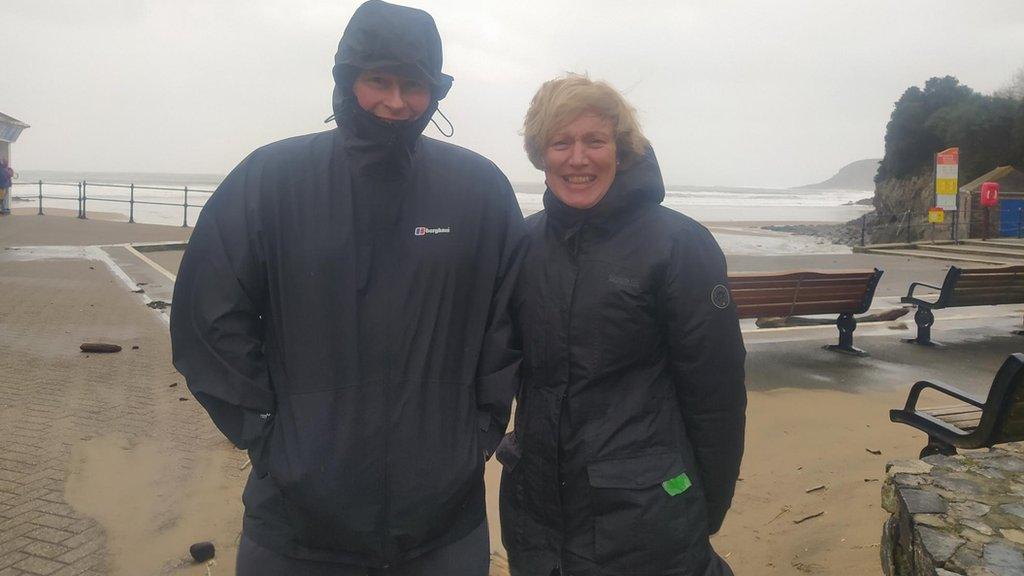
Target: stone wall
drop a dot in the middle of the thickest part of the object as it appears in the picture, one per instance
(955, 515)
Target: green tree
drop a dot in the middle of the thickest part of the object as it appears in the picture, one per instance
(989, 130)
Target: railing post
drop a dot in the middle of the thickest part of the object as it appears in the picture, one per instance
(184, 210)
(79, 198)
(84, 198)
(863, 227)
(909, 231)
(131, 203)
(1019, 210)
(40, 198)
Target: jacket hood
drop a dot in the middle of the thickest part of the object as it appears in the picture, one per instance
(638, 185)
(401, 40)
(395, 38)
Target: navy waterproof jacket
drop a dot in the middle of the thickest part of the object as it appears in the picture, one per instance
(339, 312)
(630, 420)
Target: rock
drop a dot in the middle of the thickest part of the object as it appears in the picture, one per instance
(941, 572)
(910, 479)
(969, 509)
(967, 556)
(1013, 535)
(1015, 509)
(933, 520)
(158, 304)
(978, 526)
(99, 347)
(940, 545)
(958, 485)
(921, 502)
(889, 503)
(974, 536)
(202, 551)
(887, 548)
(992, 473)
(1006, 464)
(907, 467)
(1003, 559)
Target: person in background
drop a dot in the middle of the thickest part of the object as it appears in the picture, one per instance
(6, 176)
(630, 416)
(340, 313)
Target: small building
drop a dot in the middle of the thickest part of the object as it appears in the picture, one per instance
(1005, 219)
(10, 129)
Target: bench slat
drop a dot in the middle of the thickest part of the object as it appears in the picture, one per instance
(963, 416)
(988, 271)
(763, 281)
(803, 308)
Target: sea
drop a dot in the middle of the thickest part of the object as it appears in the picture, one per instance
(735, 215)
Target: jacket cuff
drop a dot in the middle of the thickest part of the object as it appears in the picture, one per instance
(255, 433)
(488, 434)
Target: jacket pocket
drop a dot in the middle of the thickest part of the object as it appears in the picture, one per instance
(648, 517)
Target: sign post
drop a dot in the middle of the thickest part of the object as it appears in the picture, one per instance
(936, 216)
(947, 165)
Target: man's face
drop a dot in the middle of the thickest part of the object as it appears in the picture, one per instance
(391, 97)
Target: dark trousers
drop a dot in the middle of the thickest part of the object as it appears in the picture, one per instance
(469, 556)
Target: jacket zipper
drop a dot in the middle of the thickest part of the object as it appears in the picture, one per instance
(574, 252)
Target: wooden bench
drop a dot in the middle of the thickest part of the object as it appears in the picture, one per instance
(965, 287)
(975, 423)
(842, 292)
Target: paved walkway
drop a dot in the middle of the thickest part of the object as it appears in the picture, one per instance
(105, 469)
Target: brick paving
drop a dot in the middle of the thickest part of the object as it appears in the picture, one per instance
(54, 398)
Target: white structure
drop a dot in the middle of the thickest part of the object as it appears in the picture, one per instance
(10, 129)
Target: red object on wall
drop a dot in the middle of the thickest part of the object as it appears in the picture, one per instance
(990, 194)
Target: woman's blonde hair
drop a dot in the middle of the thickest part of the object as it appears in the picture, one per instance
(560, 101)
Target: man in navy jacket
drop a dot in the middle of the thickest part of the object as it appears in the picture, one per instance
(341, 314)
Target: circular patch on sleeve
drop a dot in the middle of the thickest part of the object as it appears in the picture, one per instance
(720, 296)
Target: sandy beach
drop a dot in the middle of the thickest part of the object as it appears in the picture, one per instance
(107, 455)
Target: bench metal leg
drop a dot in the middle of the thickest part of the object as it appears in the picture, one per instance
(924, 319)
(846, 324)
(936, 446)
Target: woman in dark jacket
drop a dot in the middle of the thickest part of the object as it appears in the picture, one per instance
(629, 428)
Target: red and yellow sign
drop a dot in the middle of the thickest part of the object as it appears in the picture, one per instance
(947, 164)
(936, 215)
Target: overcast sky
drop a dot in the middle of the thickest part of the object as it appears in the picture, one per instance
(748, 93)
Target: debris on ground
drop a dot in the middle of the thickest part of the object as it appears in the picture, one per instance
(806, 518)
(99, 347)
(785, 509)
(202, 551)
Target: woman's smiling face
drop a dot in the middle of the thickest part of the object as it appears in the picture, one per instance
(579, 161)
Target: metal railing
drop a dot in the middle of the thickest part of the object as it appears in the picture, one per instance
(83, 199)
(907, 227)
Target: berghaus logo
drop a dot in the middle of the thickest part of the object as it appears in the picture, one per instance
(423, 231)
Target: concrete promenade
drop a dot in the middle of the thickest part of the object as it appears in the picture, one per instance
(108, 466)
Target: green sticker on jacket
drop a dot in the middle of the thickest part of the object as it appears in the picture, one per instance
(678, 485)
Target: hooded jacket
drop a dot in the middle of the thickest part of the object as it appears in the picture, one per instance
(339, 312)
(630, 419)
